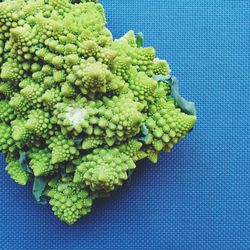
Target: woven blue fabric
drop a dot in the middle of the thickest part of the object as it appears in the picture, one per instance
(197, 197)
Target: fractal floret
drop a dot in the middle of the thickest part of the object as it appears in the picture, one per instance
(78, 108)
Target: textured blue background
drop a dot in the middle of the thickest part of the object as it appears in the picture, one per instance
(198, 196)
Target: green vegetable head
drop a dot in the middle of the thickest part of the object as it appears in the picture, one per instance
(78, 109)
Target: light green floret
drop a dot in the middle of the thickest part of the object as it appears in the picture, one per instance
(17, 13)
(7, 49)
(141, 58)
(114, 119)
(7, 89)
(63, 148)
(89, 48)
(93, 78)
(161, 67)
(7, 113)
(33, 94)
(19, 131)
(61, 6)
(133, 149)
(152, 154)
(119, 118)
(25, 136)
(104, 169)
(20, 105)
(88, 20)
(70, 117)
(59, 76)
(26, 82)
(39, 123)
(12, 70)
(16, 172)
(70, 61)
(68, 90)
(163, 90)
(7, 143)
(31, 9)
(55, 46)
(70, 201)
(92, 142)
(130, 39)
(106, 56)
(48, 28)
(90, 78)
(41, 162)
(51, 97)
(121, 67)
(23, 41)
(41, 53)
(143, 87)
(47, 71)
(9, 16)
(167, 125)
(1, 50)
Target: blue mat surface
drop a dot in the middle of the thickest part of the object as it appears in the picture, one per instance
(197, 197)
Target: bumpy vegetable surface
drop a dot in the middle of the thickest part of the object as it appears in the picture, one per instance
(78, 109)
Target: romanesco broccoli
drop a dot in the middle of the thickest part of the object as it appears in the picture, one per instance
(78, 108)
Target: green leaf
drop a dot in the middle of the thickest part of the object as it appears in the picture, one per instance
(100, 194)
(78, 140)
(70, 169)
(83, 1)
(38, 46)
(24, 163)
(186, 106)
(63, 173)
(161, 78)
(39, 186)
(144, 131)
(139, 39)
(130, 172)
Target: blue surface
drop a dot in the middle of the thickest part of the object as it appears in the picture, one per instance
(197, 197)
